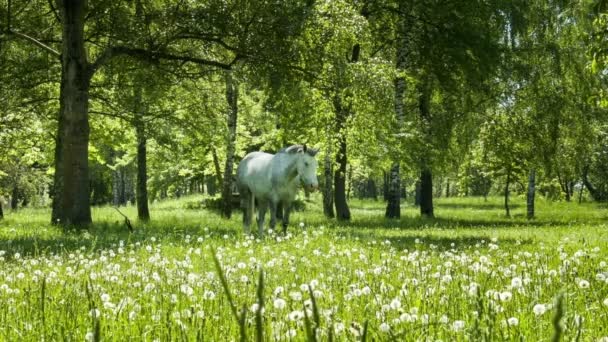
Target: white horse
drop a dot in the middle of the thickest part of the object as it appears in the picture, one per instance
(273, 179)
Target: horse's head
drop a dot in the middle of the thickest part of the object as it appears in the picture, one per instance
(306, 165)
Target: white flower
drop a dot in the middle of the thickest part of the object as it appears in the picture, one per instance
(506, 296)
(458, 325)
(296, 315)
(385, 327)
(187, 290)
(395, 304)
(295, 295)
(301, 224)
(89, 336)
(366, 290)
(444, 319)
(539, 309)
(583, 284)
(513, 322)
(132, 315)
(105, 297)
(338, 327)
(516, 282)
(279, 303)
(605, 302)
(291, 333)
(278, 291)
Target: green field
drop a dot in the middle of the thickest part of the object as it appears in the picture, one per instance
(468, 275)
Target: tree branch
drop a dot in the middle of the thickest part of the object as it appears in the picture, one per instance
(35, 42)
(147, 55)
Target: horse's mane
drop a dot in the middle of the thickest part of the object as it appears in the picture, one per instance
(294, 149)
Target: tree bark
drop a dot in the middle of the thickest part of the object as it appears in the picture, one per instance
(342, 210)
(426, 193)
(58, 176)
(426, 176)
(417, 193)
(15, 198)
(143, 213)
(447, 188)
(393, 205)
(507, 209)
(1, 211)
(74, 111)
(231, 99)
(218, 169)
(328, 196)
(531, 193)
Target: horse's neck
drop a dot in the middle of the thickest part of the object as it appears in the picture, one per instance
(286, 171)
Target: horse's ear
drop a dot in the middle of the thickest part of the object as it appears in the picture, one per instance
(313, 151)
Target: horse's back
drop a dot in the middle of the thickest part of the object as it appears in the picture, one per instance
(253, 168)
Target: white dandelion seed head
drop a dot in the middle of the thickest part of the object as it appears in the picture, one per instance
(539, 309)
(279, 303)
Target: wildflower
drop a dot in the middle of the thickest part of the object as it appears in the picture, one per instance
(444, 319)
(296, 315)
(279, 303)
(291, 333)
(539, 309)
(187, 290)
(583, 284)
(605, 302)
(395, 304)
(516, 283)
(506, 296)
(513, 322)
(458, 325)
(338, 327)
(295, 295)
(89, 336)
(384, 327)
(105, 297)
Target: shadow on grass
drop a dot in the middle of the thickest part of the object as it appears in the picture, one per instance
(441, 243)
(106, 235)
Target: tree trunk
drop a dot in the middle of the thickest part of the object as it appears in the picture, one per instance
(15, 198)
(349, 181)
(74, 111)
(426, 193)
(58, 176)
(417, 193)
(143, 213)
(328, 196)
(426, 177)
(385, 185)
(507, 209)
(580, 194)
(1, 211)
(342, 210)
(231, 98)
(447, 188)
(531, 193)
(218, 170)
(393, 205)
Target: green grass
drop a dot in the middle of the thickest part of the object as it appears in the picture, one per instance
(453, 278)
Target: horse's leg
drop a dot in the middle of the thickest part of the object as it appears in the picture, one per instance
(262, 206)
(273, 214)
(286, 213)
(248, 211)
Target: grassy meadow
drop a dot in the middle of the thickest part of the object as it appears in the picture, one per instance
(471, 274)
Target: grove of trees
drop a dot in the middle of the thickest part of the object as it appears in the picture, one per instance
(111, 102)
